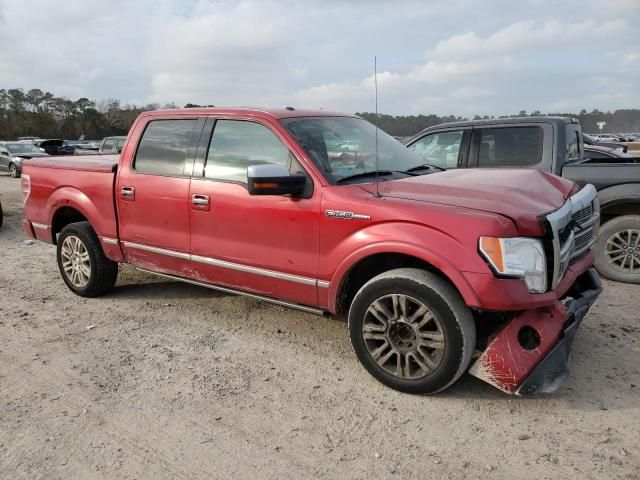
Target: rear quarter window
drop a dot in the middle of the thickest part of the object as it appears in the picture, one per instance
(163, 147)
(510, 146)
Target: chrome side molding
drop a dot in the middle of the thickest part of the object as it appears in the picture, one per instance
(230, 265)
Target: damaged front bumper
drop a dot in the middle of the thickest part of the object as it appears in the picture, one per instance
(530, 354)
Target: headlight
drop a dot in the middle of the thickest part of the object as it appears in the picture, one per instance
(517, 257)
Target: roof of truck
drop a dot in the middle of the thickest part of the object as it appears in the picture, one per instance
(496, 121)
(274, 113)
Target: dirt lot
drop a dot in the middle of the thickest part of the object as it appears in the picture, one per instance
(167, 380)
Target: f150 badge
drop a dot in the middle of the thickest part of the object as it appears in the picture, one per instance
(346, 215)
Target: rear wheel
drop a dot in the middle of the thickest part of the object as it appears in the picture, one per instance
(412, 331)
(618, 249)
(82, 263)
(13, 170)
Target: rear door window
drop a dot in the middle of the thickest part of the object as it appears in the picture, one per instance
(163, 147)
(509, 146)
(439, 149)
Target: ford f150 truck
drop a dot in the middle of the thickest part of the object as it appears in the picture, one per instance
(552, 144)
(437, 272)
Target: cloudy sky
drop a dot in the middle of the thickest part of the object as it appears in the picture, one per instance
(434, 56)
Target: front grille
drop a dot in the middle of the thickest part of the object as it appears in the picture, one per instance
(581, 215)
(583, 238)
(574, 227)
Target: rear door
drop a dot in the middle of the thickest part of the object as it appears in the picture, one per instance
(263, 244)
(152, 195)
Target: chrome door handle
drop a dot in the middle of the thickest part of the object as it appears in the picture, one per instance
(200, 199)
(128, 193)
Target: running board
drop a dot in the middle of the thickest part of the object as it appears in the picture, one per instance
(282, 303)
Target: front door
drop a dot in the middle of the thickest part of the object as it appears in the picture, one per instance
(152, 195)
(262, 244)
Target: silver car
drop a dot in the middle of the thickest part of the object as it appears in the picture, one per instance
(13, 153)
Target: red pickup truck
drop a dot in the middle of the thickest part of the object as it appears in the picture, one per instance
(438, 272)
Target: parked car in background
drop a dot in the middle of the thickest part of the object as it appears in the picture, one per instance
(552, 144)
(112, 144)
(595, 141)
(30, 139)
(435, 270)
(12, 155)
(86, 147)
(55, 146)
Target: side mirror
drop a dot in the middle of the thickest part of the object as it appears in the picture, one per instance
(272, 179)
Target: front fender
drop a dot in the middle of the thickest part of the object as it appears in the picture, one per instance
(619, 194)
(418, 251)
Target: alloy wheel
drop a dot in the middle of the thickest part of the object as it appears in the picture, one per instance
(622, 250)
(76, 261)
(403, 336)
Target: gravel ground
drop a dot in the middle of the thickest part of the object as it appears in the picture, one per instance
(166, 380)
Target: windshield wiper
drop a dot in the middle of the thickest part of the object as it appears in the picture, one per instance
(425, 166)
(365, 174)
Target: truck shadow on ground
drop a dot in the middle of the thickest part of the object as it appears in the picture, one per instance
(581, 391)
(166, 290)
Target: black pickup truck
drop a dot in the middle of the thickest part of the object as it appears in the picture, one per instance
(552, 144)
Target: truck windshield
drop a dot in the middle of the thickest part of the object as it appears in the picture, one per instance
(346, 146)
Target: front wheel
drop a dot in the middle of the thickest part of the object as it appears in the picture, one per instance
(618, 249)
(14, 172)
(412, 331)
(82, 263)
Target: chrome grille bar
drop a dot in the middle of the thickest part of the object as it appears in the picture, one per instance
(580, 214)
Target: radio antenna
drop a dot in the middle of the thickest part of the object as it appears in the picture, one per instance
(375, 82)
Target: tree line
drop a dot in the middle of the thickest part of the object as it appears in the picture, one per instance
(40, 113)
(619, 121)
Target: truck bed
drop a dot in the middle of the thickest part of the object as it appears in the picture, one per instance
(603, 174)
(81, 186)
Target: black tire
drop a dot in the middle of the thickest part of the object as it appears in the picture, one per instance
(454, 318)
(102, 271)
(1, 216)
(605, 263)
(14, 171)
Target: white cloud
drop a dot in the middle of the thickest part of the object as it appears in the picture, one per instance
(318, 53)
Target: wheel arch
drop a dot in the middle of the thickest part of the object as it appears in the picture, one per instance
(64, 216)
(68, 205)
(619, 200)
(369, 261)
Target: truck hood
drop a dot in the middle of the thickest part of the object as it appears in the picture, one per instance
(521, 195)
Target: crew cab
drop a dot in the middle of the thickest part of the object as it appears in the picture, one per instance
(437, 272)
(552, 144)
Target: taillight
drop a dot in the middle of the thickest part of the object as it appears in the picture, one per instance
(26, 188)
